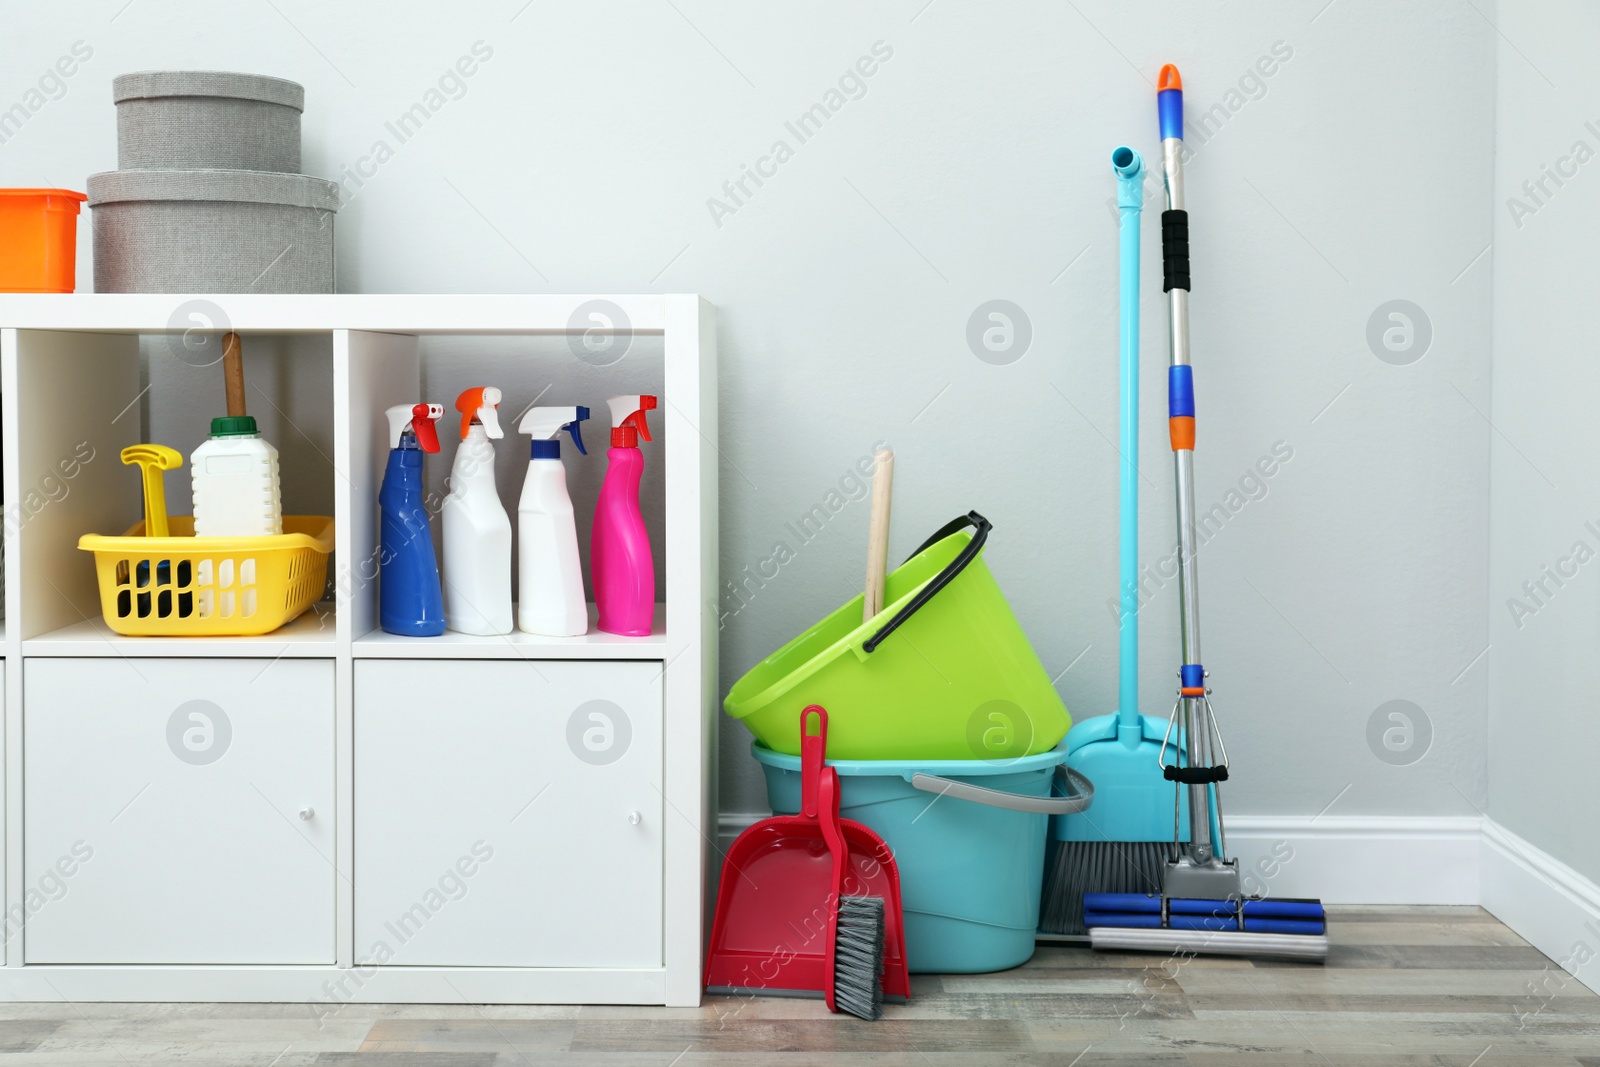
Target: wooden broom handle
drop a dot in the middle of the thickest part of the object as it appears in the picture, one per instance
(233, 372)
(878, 534)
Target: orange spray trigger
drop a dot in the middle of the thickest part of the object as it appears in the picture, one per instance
(481, 404)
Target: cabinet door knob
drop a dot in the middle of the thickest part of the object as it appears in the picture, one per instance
(634, 818)
(306, 813)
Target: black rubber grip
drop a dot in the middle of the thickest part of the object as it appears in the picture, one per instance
(1195, 775)
(981, 527)
(1174, 250)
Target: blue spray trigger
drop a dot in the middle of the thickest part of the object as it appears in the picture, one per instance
(573, 428)
(544, 425)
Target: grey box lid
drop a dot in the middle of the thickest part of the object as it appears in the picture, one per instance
(233, 186)
(158, 83)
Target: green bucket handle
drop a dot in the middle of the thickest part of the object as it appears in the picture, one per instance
(1079, 790)
(943, 578)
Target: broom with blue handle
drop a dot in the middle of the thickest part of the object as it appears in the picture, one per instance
(1124, 840)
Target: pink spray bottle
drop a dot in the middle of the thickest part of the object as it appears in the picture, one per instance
(620, 563)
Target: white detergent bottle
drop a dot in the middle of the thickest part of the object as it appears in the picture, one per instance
(234, 479)
(477, 531)
(550, 597)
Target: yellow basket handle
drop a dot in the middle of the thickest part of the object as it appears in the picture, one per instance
(153, 461)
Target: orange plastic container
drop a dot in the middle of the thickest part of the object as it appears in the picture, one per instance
(39, 240)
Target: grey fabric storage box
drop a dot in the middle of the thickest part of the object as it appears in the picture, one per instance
(212, 231)
(181, 120)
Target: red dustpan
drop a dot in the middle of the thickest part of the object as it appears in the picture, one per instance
(771, 931)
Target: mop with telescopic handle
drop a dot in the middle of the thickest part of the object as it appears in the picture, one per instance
(1201, 907)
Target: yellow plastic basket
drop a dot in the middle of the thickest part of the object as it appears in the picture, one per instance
(187, 586)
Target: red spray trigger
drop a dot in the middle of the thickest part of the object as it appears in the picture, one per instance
(628, 421)
(423, 417)
(637, 419)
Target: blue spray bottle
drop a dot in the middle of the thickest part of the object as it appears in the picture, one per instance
(410, 602)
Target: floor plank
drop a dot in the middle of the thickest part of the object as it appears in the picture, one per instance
(410, 1059)
(1403, 987)
(1360, 932)
(1456, 914)
(24, 1035)
(475, 1035)
(815, 1034)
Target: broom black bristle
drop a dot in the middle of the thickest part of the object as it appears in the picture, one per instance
(858, 957)
(1080, 867)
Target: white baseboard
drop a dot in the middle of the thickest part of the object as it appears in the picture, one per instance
(1376, 859)
(1382, 859)
(731, 824)
(1549, 905)
(1360, 859)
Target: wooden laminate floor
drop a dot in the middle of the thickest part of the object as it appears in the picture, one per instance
(1402, 986)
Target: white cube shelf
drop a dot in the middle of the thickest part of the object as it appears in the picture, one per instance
(355, 762)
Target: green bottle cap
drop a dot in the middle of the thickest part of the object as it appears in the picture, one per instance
(234, 426)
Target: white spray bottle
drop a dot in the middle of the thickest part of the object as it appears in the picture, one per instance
(477, 531)
(550, 597)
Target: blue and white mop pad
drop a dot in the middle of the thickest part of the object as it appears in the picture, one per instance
(1296, 929)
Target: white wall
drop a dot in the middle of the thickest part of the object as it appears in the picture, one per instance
(972, 166)
(1543, 673)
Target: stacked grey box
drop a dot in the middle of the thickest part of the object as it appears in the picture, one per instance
(208, 198)
(185, 120)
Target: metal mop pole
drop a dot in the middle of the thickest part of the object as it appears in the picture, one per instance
(1201, 871)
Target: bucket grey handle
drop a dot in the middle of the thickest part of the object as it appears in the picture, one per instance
(1080, 793)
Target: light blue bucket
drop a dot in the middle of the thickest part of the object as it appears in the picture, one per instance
(968, 836)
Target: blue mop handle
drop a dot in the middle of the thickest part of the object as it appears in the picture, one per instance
(1130, 201)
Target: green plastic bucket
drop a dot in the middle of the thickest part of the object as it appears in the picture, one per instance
(968, 837)
(944, 672)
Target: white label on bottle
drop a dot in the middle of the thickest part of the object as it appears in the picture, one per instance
(237, 464)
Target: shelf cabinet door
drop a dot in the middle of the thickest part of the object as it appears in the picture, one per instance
(508, 813)
(163, 804)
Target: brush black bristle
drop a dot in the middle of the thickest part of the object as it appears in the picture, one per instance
(858, 957)
(1080, 867)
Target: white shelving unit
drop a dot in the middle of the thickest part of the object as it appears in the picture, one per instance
(353, 816)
